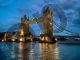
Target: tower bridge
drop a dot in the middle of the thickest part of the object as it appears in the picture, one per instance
(47, 21)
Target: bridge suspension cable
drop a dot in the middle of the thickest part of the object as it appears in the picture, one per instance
(59, 29)
(65, 29)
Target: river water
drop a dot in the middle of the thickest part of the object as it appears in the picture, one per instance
(38, 51)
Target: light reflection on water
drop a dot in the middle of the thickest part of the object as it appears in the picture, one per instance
(29, 51)
(38, 51)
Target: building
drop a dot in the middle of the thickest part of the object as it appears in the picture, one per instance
(47, 20)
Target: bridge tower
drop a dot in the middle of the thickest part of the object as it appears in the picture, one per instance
(25, 25)
(48, 21)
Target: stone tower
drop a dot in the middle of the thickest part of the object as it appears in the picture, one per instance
(25, 25)
(48, 21)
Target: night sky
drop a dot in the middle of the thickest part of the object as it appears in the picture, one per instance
(11, 12)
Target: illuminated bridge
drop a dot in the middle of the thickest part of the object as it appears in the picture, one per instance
(47, 20)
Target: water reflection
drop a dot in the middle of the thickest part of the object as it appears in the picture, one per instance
(43, 51)
(38, 51)
(32, 51)
(22, 49)
(49, 51)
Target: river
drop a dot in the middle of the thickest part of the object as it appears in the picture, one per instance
(38, 51)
